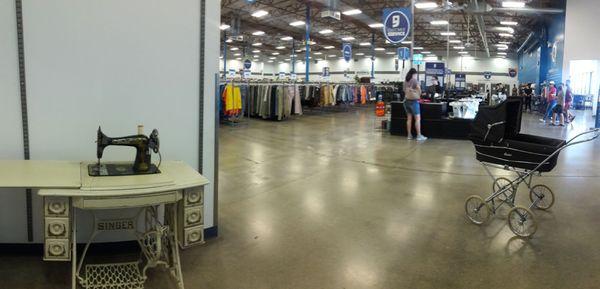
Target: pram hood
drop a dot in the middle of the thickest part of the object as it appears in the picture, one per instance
(492, 124)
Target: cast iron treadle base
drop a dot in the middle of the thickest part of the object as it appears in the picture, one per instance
(113, 276)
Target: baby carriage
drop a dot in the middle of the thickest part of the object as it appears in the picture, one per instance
(498, 144)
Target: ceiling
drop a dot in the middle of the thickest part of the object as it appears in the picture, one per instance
(464, 16)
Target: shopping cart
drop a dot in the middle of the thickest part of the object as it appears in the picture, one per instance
(498, 144)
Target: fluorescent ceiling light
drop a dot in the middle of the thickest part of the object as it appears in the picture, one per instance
(505, 35)
(418, 48)
(275, 53)
(359, 54)
(317, 53)
(329, 47)
(352, 12)
(504, 42)
(272, 57)
(406, 42)
(237, 54)
(463, 52)
(513, 4)
(459, 47)
(509, 23)
(348, 38)
(506, 29)
(365, 44)
(270, 61)
(287, 59)
(287, 38)
(326, 31)
(425, 52)
(503, 48)
(258, 33)
(376, 25)
(220, 56)
(256, 44)
(234, 48)
(448, 33)
(256, 56)
(455, 41)
(311, 43)
(439, 22)
(426, 5)
(280, 47)
(293, 55)
(380, 49)
(332, 55)
(238, 58)
(501, 45)
(501, 53)
(390, 53)
(297, 23)
(224, 27)
(260, 13)
(229, 40)
(256, 51)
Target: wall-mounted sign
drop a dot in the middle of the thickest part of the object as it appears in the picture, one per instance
(247, 64)
(396, 24)
(281, 74)
(418, 59)
(403, 53)
(434, 70)
(347, 51)
(460, 81)
(293, 76)
(231, 72)
(247, 73)
(487, 74)
(325, 71)
(512, 72)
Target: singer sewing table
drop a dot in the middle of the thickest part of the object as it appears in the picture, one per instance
(66, 187)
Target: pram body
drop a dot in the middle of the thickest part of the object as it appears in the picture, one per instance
(497, 139)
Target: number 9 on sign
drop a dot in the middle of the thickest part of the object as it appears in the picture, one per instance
(395, 21)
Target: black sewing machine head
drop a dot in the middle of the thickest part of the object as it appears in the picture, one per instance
(142, 164)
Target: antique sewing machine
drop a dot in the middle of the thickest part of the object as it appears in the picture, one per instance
(142, 163)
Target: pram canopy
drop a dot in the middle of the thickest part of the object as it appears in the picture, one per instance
(497, 139)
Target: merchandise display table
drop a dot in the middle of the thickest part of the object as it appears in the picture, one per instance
(435, 122)
(66, 188)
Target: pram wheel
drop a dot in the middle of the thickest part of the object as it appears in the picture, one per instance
(477, 210)
(542, 197)
(499, 184)
(522, 222)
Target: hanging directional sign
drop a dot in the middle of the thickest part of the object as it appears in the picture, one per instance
(325, 71)
(418, 59)
(487, 74)
(403, 53)
(293, 76)
(396, 24)
(347, 51)
(281, 74)
(247, 73)
(247, 64)
(512, 72)
(448, 71)
(231, 72)
(460, 81)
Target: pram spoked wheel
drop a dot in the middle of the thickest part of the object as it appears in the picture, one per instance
(499, 184)
(541, 197)
(522, 222)
(477, 210)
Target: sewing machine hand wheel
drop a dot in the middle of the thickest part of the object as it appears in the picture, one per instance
(154, 142)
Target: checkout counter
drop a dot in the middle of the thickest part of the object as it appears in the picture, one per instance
(444, 119)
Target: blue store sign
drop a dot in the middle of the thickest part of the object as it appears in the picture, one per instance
(347, 51)
(325, 71)
(487, 74)
(247, 64)
(403, 53)
(418, 59)
(434, 69)
(460, 81)
(396, 24)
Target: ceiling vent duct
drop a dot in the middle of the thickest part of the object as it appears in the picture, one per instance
(332, 10)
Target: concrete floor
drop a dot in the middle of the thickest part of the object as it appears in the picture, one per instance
(327, 201)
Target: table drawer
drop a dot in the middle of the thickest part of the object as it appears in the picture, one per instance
(126, 202)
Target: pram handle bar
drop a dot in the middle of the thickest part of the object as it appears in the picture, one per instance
(490, 126)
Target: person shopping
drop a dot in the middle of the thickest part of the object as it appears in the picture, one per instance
(412, 93)
(557, 111)
(569, 117)
(550, 95)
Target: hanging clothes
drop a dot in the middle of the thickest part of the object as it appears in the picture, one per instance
(232, 100)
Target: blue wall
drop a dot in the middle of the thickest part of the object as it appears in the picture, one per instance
(543, 62)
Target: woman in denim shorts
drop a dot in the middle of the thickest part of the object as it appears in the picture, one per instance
(412, 92)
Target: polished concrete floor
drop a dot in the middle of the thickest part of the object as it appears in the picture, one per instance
(328, 201)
